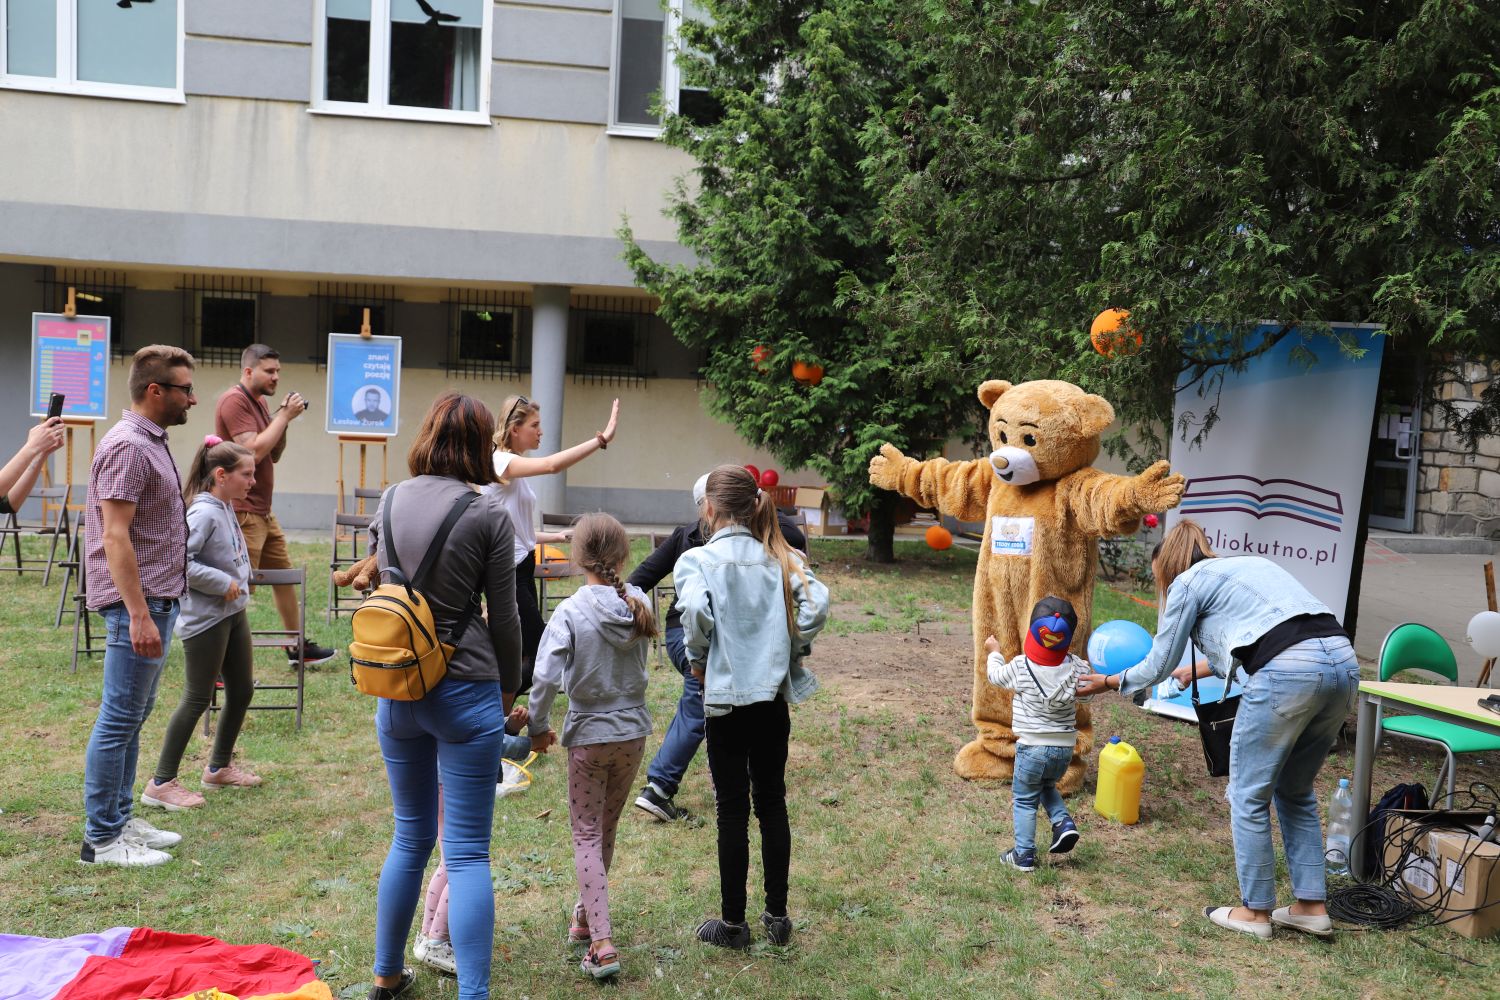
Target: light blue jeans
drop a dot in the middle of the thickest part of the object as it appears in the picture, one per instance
(455, 732)
(129, 694)
(1035, 781)
(1288, 719)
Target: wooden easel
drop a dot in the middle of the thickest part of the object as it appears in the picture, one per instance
(70, 425)
(365, 442)
(1489, 589)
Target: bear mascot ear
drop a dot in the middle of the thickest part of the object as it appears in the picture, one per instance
(994, 388)
(1094, 414)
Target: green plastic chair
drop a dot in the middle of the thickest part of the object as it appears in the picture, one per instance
(1417, 647)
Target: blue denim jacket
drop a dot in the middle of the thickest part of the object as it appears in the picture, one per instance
(1222, 604)
(734, 622)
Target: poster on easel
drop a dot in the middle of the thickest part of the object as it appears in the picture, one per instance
(364, 385)
(70, 356)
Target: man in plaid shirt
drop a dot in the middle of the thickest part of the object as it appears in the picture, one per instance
(135, 558)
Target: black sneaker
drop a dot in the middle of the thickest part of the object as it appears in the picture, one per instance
(1021, 861)
(312, 654)
(778, 929)
(1064, 836)
(408, 976)
(658, 805)
(721, 934)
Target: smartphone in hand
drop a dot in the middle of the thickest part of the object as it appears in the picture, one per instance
(55, 405)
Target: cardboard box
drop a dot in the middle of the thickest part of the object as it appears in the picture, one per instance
(823, 517)
(1446, 870)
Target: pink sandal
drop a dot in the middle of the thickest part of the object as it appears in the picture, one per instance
(578, 931)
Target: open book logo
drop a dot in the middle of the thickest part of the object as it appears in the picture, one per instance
(1261, 498)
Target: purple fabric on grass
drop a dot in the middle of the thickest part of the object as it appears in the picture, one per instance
(36, 968)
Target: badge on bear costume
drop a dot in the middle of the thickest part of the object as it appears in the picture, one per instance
(1011, 536)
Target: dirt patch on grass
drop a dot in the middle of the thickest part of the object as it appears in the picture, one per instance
(875, 671)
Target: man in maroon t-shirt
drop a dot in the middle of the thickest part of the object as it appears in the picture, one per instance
(242, 416)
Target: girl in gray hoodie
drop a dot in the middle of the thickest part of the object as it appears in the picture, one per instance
(213, 624)
(594, 649)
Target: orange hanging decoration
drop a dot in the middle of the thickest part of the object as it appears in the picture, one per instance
(807, 373)
(1111, 332)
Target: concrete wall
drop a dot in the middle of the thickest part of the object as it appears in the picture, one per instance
(666, 438)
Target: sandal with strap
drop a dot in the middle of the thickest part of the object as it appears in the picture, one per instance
(601, 965)
(578, 931)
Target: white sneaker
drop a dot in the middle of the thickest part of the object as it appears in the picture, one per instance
(439, 955)
(140, 832)
(124, 852)
(419, 947)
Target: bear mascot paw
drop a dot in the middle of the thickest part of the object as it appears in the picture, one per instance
(1044, 509)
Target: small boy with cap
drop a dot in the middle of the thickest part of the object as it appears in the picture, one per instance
(1044, 715)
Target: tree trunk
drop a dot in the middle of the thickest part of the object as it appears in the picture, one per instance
(881, 539)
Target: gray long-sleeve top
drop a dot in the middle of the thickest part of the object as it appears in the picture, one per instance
(477, 557)
(591, 653)
(217, 557)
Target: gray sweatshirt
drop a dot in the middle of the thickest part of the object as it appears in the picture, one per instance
(216, 557)
(590, 652)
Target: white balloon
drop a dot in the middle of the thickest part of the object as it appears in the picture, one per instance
(1484, 634)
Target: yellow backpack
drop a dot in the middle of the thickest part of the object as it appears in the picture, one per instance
(398, 651)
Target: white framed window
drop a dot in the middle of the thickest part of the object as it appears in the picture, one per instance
(421, 60)
(645, 74)
(130, 49)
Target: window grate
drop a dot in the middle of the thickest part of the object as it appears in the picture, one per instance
(220, 316)
(609, 339)
(339, 308)
(108, 286)
(488, 333)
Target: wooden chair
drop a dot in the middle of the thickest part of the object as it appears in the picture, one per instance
(59, 526)
(277, 639)
(552, 569)
(662, 596)
(84, 643)
(351, 538)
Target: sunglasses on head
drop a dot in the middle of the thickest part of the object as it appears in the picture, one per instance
(520, 401)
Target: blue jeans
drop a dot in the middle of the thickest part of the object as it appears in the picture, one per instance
(685, 734)
(1037, 772)
(455, 732)
(1288, 719)
(130, 683)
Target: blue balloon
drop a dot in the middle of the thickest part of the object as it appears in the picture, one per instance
(1117, 645)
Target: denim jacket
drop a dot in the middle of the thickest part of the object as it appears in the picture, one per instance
(1222, 604)
(734, 622)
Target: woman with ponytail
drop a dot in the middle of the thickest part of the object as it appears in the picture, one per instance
(750, 610)
(594, 649)
(213, 624)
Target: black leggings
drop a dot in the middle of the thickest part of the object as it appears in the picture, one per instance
(747, 757)
(223, 650)
(531, 618)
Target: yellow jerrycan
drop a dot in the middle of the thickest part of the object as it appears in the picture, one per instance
(1117, 795)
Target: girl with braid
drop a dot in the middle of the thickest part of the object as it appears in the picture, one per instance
(594, 650)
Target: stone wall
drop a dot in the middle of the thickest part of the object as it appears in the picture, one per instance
(1458, 492)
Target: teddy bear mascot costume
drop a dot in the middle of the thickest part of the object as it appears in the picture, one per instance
(1044, 510)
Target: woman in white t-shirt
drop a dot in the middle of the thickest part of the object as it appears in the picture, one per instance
(520, 431)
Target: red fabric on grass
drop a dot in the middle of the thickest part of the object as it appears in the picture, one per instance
(158, 964)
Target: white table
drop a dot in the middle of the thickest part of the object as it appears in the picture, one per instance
(1458, 705)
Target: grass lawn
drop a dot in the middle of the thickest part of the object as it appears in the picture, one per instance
(896, 885)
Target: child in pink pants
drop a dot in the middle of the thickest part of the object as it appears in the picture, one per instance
(595, 649)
